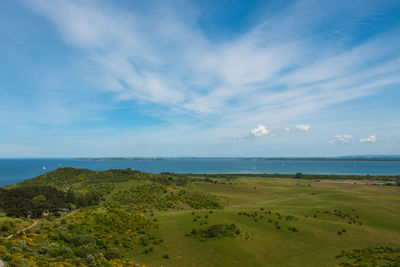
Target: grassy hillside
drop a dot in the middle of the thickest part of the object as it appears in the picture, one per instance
(195, 220)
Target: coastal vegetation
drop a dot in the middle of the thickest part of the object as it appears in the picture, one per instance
(33, 201)
(78, 217)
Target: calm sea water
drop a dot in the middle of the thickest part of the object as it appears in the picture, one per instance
(15, 170)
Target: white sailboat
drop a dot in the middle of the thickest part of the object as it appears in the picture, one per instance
(44, 167)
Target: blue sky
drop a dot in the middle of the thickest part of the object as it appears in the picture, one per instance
(199, 78)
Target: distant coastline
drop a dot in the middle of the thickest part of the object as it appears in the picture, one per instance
(15, 170)
(342, 158)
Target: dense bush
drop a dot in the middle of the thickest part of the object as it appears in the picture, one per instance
(377, 256)
(151, 195)
(217, 231)
(199, 200)
(92, 236)
(33, 201)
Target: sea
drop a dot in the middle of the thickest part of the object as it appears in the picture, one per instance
(13, 171)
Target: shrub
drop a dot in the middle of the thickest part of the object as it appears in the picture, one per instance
(219, 231)
(387, 256)
(40, 197)
(199, 200)
(112, 254)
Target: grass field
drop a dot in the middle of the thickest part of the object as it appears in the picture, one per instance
(317, 241)
(244, 221)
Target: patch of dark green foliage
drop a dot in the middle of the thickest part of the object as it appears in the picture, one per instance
(33, 201)
(374, 256)
(217, 231)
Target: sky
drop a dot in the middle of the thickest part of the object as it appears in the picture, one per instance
(199, 78)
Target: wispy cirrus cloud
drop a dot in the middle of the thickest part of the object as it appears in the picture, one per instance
(276, 69)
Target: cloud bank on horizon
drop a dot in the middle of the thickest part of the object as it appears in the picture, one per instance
(149, 77)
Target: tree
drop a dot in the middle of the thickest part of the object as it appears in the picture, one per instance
(298, 175)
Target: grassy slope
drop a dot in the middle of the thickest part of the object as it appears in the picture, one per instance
(317, 241)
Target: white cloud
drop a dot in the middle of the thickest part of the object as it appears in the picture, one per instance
(370, 139)
(342, 139)
(303, 127)
(261, 130)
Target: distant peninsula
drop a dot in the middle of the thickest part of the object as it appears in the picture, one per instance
(339, 158)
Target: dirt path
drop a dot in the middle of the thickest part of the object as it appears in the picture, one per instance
(29, 227)
(34, 224)
(10, 236)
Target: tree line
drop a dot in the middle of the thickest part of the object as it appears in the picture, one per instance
(33, 201)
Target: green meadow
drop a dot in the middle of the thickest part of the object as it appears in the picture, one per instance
(177, 220)
(317, 241)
